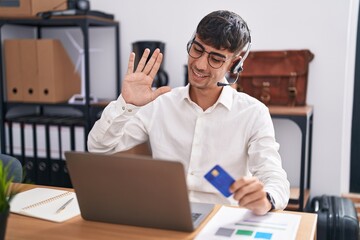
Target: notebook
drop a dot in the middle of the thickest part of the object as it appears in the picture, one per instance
(134, 190)
(45, 203)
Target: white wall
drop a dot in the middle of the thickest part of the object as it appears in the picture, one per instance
(326, 27)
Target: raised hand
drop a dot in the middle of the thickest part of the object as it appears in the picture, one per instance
(136, 87)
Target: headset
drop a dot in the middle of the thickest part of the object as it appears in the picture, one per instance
(237, 67)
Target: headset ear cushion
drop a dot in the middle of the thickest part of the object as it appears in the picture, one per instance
(236, 67)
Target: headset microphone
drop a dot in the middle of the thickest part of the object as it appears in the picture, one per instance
(220, 84)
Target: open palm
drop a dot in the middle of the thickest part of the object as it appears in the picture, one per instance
(136, 87)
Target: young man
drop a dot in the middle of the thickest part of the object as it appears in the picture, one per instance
(201, 124)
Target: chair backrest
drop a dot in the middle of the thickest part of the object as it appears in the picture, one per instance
(15, 167)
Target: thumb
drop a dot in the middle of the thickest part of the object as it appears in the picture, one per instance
(160, 91)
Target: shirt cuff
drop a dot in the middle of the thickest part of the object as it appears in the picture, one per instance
(271, 200)
(126, 108)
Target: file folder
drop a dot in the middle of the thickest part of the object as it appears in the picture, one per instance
(14, 83)
(29, 70)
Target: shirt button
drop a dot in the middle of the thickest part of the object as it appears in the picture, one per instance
(129, 110)
(123, 108)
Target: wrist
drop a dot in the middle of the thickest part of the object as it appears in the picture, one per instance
(271, 201)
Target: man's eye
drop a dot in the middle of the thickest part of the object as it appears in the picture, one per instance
(198, 49)
(217, 59)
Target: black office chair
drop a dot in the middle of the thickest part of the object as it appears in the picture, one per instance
(15, 167)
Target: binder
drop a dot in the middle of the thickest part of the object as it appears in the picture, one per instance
(42, 171)
(80, 138)
(54, 142)
(9, 138)
(40, 140)
(66, 177)
(56, 174)
(30, 162)
(14, 147)
(30, 168)
(44, 160)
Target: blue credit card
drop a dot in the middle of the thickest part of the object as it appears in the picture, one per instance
(220, 179)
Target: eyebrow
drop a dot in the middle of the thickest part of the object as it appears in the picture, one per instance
(215, 53)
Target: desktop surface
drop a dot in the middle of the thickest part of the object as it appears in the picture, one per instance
(22, 227)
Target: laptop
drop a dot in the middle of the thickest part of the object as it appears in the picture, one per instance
(134, 190)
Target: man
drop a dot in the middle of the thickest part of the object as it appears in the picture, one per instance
(201, 124)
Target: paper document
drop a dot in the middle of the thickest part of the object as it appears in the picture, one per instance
(238, 223)
(45, 203)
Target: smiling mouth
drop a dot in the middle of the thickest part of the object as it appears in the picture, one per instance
(199, 74)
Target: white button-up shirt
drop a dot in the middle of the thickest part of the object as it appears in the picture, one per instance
(236, 132)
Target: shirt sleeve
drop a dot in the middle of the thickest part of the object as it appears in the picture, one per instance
(117, 129)
(265, 161)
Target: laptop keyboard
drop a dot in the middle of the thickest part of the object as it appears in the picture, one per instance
(195, 216)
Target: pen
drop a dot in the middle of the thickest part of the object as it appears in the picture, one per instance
(64, 205)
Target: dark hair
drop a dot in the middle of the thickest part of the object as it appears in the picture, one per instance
(224, 30)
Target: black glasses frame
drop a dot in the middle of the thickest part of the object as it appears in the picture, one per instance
(190, 45)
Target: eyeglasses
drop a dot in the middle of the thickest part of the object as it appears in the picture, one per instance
(196, 50)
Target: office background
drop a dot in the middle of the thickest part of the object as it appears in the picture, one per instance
(327, 28)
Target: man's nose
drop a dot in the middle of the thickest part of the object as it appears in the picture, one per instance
(202, 62)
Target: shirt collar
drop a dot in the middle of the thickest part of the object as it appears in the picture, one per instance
(225, 98)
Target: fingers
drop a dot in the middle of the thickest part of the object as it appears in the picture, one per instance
(131, 63)
(250, 194)
(153, 64)
(156, 65)
(248, 190)
(142, 61)
(242, 182)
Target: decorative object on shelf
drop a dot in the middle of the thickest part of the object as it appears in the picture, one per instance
(75, 7)
(80, 65)
(79, 4)
(161, 78)
(276, 77)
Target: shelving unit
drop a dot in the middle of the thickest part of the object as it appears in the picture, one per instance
(303, 117)
(37, 166)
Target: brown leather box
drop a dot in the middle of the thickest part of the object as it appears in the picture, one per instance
(28, 8)
(276, 77)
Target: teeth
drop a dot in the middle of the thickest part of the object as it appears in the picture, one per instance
(198, 74)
